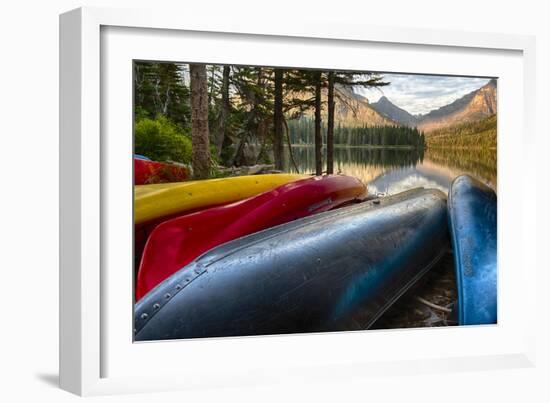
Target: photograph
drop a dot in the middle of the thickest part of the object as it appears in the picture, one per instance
(283, 200)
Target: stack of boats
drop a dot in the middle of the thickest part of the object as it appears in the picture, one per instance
(283, 253)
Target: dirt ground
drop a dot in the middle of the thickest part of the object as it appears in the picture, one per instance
(437, 287)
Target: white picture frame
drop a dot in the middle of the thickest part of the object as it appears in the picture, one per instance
(97, 355)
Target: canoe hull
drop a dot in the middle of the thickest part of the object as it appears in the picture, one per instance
(473, 227)
(175, 243)
(338, 270)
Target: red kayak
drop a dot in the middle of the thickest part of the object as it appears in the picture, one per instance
(176, 242)
(146, 172)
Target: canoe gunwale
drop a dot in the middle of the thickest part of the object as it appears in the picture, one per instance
(458, 262)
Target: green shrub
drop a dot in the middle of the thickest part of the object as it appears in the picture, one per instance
(161, 140)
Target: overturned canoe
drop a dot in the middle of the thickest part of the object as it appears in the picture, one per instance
(164, 199)
(148, 172)
(175, 243)
(338, 270)
(473, 226)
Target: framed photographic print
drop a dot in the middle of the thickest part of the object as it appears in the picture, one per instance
(233, 201)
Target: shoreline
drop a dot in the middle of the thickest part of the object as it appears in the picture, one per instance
(363, 146)
(400, 147)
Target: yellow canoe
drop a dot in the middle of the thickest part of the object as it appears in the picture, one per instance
(164, 199)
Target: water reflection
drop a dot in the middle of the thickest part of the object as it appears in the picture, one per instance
(391, 171)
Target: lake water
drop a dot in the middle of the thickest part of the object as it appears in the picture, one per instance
(390, 171)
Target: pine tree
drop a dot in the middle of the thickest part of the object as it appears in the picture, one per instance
(199, 119)
(160, 90)
(278, 144)
(330, 124)
(222, 130)
(318, 137)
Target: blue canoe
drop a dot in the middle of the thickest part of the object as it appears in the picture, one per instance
(473, 225)
(338, 270)
(141, 157)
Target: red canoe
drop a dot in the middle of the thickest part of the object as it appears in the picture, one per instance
(146, 172)
(143, 231)
(176, 242)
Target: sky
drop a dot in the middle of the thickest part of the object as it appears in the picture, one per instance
(419, 94)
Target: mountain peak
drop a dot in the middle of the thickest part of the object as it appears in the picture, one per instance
(387, 108)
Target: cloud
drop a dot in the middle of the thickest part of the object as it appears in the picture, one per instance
(419, 94)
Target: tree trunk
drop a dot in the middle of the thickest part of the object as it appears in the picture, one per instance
(200, 158)
(224, 113)
(246, 154)
(290, 153)
(278, 145)
(318, 137)
(330, 124)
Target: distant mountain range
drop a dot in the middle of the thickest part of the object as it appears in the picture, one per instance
(354, 110)
(472, 107)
